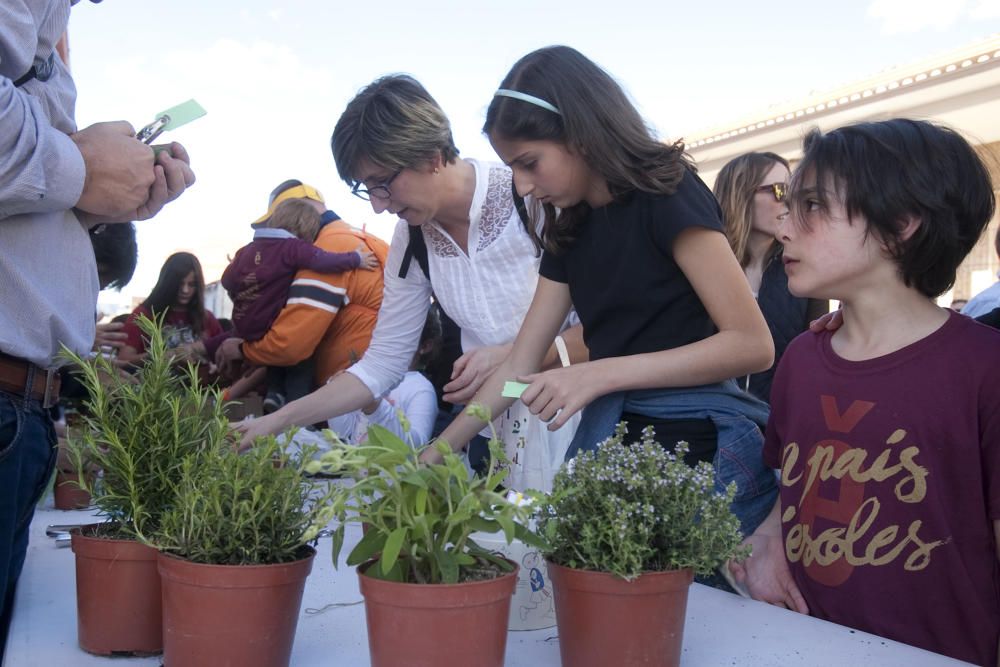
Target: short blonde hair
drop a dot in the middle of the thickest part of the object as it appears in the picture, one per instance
(297, 216)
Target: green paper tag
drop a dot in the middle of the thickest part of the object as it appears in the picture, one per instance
(182, 114)
(513, 389)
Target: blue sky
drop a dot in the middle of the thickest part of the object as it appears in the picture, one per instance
(274, 77)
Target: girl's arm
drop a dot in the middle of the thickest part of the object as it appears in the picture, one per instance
(541, 325)
(742, 345)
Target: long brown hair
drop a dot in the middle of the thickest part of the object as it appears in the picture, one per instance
(735, 188)
(596, 119)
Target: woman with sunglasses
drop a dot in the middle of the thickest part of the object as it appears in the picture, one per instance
(393, 145)
(751, 190)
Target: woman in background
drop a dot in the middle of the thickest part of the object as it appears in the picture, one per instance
(751, 190)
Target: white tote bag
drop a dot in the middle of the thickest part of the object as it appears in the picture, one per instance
(535, 453)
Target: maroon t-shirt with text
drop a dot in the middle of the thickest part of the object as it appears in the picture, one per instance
(890, 484)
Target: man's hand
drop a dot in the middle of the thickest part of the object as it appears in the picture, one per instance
(119, 169)
(766, 575)
(172, 176)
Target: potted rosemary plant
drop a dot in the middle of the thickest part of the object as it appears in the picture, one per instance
(234, 557)
(137, 431)
(433, 596)
(627, 528)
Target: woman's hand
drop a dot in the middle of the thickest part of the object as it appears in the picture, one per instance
(248, 430)
(471, 370)
(556, 395)
(829, 322)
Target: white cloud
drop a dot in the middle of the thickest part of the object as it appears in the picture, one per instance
(986, 9)
(903, 16)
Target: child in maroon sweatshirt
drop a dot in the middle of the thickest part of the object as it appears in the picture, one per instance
(258, 279)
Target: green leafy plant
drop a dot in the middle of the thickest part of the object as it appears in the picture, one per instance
(420, 517)
(245, 509)
(629, 509)
(138, 432)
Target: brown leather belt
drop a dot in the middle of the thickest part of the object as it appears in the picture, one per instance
(21, 377)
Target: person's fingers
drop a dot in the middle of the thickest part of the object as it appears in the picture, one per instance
(795, 600)
(460, 365)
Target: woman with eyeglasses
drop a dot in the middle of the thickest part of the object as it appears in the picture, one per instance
(393, 145)
(751, 190)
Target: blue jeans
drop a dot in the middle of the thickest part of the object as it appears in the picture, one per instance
(27, 457)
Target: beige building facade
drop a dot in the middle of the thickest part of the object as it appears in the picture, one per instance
(960, 89)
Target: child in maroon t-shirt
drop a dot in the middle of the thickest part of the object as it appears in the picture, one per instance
(886, 431)
(258, 280)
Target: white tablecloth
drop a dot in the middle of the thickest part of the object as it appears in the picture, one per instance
(721, 629)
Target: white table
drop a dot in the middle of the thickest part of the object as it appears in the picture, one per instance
(721, 629)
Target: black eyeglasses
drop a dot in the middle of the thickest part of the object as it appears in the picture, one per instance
(376, 191)
(779, 190)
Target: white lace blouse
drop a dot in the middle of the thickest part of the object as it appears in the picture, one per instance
(487, 291)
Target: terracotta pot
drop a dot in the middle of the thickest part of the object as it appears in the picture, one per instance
(428, 625)
(117, 595)
(230, 615)
(67, 493)
(605, 620)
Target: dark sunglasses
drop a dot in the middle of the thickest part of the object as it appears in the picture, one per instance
(779, 190)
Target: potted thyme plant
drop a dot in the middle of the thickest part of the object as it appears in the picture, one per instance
(234, 557)
(433, 596)
(137, 433)
(627, 528)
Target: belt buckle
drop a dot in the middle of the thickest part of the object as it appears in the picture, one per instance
(50, 398)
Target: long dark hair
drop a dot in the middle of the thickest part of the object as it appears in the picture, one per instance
(735, 188)
(595, 119)
(164, 293)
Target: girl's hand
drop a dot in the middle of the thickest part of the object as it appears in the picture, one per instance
(471, 370)
(110, 335)
(556, 395)
(766, 575)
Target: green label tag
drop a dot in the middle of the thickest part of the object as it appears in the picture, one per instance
(182, 114)
(513, 389)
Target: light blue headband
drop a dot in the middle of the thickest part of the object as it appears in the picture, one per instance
(525, 97)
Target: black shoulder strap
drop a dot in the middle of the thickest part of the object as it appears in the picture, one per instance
(415, 249)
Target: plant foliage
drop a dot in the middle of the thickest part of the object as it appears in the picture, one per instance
(245, 509)
(629, 509)
(420, 517)
(139, 430)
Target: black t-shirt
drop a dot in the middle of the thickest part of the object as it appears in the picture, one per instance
(626, 287)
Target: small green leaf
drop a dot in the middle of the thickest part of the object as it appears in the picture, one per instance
(448, 566)
(391, 552)
(337, 543)
(379, 435)
(415, 478)
(479, 524)
(420, 502)
(508, 527)
(369, 545)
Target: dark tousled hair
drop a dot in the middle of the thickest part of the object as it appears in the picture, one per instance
(164, 293)
(596, 119)
(889, 171)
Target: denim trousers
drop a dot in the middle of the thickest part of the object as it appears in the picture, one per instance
(27, 457)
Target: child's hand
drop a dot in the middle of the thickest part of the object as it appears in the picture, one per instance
(766, 575)
(829, 322)
(369, 261)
